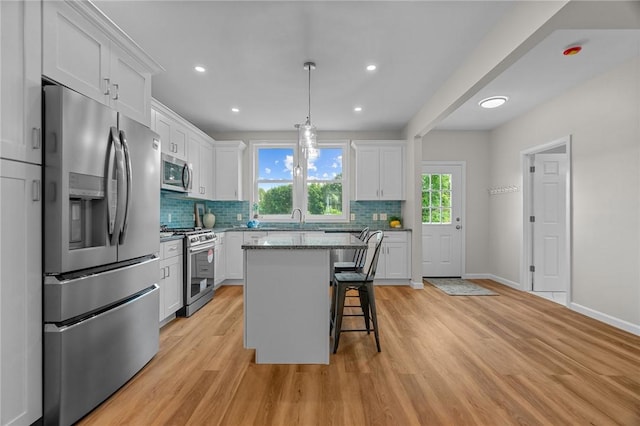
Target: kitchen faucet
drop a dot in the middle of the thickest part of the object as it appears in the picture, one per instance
(293, 215)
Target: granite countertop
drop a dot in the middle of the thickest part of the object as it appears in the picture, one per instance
(164, 239)
(327, 229)
(309, 242)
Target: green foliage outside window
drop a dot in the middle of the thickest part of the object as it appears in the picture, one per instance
(323, 199)
(277, 200)
(436, 198)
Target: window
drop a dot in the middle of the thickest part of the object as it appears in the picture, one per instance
(324, 183)
(436, 199)
(320, 190)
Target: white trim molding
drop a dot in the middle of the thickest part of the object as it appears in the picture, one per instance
(605, 318)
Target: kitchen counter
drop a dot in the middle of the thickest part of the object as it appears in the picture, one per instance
(286, 296)
(331, 241)
(307, 228)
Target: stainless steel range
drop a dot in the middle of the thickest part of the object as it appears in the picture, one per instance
(199, 272)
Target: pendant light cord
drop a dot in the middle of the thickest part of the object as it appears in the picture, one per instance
(309, 94)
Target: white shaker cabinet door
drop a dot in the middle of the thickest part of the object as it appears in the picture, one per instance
(391, 173)
(20, 293)
(234, 255)
(75, 52)
(131, 86)
(20, 77)
(228, 170)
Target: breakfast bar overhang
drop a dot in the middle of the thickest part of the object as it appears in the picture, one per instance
(287, 296)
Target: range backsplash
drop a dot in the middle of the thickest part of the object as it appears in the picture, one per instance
(181, 209)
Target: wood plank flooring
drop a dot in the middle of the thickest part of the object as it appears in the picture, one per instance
(446, 360)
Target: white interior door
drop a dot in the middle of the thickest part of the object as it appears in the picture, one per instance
(549, 225)
(442, 220)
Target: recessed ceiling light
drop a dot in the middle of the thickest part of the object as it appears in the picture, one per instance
(199, 68)
(371, 67)
(234, 109)
(358, 109)
(493, 102)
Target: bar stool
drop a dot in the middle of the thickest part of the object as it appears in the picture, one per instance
(358, 256)
(363, 282)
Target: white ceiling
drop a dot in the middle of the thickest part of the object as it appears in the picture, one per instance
(254, 53)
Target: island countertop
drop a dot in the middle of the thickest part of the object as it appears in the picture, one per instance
(309, 241)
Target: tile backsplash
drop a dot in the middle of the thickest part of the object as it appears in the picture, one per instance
(180, 209)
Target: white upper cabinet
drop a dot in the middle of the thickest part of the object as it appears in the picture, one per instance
(228, 170)
(86, 51)
(172, 130)
(379, 170)
(201, 162)
(20, 76)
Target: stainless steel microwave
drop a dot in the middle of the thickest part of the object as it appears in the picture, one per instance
(177, 174)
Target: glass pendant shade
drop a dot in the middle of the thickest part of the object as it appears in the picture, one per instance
(307, 135)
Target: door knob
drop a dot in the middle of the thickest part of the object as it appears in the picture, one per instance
(458, 226)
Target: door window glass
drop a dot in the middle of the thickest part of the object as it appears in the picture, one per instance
(436, 199)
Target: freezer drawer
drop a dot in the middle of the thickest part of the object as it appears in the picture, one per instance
(66, 297)
(85, 363)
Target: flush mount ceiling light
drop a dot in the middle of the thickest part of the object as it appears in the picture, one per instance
(358, 109)
(199, 68)
(234, 109)
(493, 102)
(371, 67)
(307, 134)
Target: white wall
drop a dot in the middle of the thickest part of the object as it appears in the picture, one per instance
(473, 148)
(603, 119)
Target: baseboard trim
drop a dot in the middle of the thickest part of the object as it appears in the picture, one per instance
(605, 318)
(591, 313)
(416, 286)
(495, 278)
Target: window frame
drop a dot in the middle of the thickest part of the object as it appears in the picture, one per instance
(300, 184)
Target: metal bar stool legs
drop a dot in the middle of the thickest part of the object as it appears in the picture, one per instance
(367, 304)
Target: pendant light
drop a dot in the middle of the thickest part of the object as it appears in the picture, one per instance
(307, 131)
(307, 135)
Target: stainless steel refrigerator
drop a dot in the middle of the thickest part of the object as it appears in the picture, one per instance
(101, 244)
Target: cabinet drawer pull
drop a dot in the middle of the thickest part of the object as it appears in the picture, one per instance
(107, 86)
(117, 91)
(168, 271)
(35, 190)
(35, 138)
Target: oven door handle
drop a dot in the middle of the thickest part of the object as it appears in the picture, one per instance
(200, 249)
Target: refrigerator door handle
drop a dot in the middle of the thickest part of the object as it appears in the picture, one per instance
(121, 185)
(127, 163)
(110, 191)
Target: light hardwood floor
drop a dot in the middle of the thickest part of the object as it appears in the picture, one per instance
(482, 360)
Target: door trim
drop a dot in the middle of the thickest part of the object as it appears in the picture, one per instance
(527, 204)
(463, 208)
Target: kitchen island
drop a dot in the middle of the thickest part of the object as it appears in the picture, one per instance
(286, 296)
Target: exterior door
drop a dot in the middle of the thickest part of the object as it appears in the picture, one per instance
(442, 220)
(549, 207)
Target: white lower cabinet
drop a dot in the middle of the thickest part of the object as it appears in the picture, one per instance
(219, 260)
(394, 259)
(234, 259)
(20, 293)
(171, 278)
(235, 253)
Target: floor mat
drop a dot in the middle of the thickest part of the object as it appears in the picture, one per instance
(459, 287)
